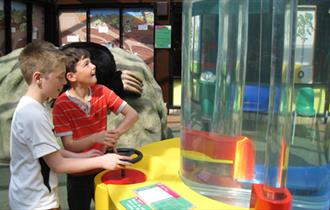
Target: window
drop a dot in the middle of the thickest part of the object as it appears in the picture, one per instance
(72, 26)
(38, 22)
(137, 29)
(138, 32)
(305, 45)
(104, 27)
(18, 25)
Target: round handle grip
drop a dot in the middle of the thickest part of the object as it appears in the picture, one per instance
(129, 152)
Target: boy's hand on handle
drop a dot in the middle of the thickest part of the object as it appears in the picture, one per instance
(112, 161)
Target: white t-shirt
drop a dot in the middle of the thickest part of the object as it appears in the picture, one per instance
(31, 138)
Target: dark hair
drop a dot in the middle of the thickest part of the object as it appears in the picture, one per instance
(106, 70)
(74, 55)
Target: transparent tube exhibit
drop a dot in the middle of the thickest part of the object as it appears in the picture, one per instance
(219, 159)
(215, 156)
(279, 120)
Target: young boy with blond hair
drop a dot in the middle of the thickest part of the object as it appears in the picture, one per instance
(36, 156)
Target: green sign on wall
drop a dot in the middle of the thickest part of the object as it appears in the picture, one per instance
(163, 36)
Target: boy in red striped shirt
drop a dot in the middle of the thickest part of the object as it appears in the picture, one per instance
(80, 119)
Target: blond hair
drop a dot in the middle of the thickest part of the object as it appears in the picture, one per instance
(39, 56)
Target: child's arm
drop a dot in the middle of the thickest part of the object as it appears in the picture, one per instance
(90, 153)
(60, 164)
(107, 138)
(131, 116)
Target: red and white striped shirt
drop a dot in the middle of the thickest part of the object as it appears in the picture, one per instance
(72, 117)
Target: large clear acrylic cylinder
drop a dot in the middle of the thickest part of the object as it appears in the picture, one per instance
(214, 57)
(241, 115)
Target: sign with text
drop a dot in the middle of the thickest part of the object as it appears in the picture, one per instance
(163, 36)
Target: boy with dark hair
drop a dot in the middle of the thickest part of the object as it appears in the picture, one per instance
(35, 153)
(80, 119)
